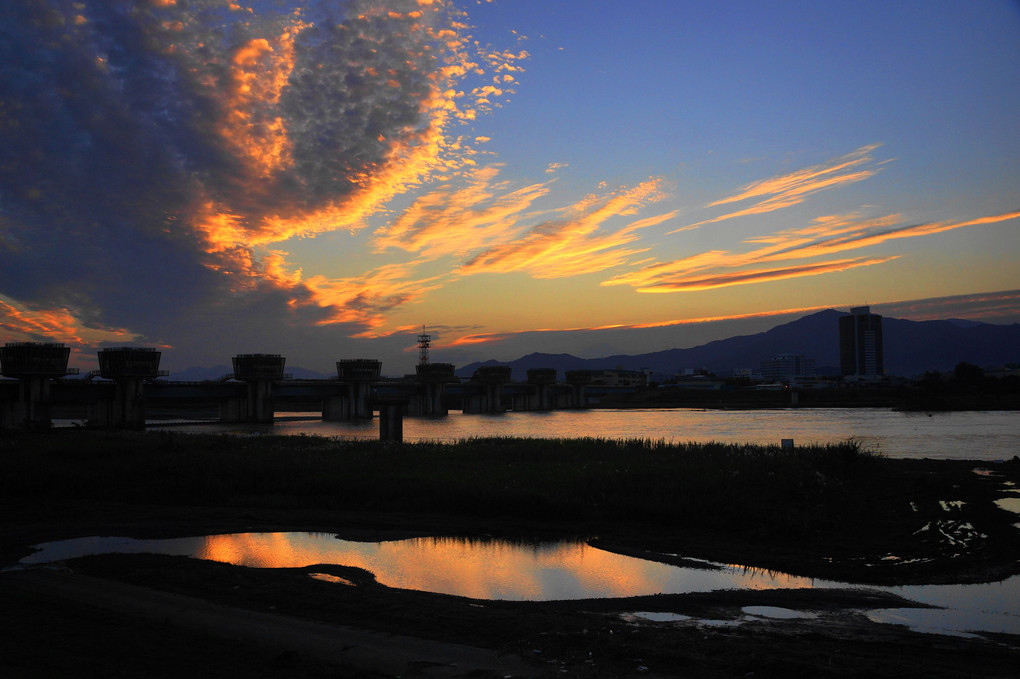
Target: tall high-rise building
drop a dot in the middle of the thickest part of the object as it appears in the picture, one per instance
(860, 344)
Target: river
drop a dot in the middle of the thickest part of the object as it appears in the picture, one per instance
(974, 435)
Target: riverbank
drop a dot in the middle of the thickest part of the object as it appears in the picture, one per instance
(895, 397)
(836, 512)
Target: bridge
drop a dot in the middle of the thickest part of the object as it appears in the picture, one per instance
(129, 384)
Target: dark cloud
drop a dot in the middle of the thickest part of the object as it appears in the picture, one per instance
(149, 151)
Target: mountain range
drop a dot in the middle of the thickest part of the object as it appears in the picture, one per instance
(911, 348)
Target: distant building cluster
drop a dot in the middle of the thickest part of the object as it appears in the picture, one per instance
(860, 351)
(619, 378)
(787, 368)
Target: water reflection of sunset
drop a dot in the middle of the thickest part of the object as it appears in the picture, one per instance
(486, 569)
(492, 569)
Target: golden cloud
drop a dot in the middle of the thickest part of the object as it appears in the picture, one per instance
(791, 189)
(574, 245)
(18, 323)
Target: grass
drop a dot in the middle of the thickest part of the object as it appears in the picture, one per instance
(837, 502)
(713, 485)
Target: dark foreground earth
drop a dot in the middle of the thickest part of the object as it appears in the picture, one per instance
(159, 616)
(111, 616)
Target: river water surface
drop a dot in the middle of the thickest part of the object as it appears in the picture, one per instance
(978, 435)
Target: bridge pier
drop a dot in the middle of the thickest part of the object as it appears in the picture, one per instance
(336, 408)
(539, 395)
(34, 364)
(430, 391)
(258, 372)
(357, 374)
(391, 418)
(487, 394)
(578, 380)
(128, 367)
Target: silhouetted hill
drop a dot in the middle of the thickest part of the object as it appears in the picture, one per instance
(911, 348)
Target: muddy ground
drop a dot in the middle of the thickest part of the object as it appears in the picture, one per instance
(160, 616)
(44, 632)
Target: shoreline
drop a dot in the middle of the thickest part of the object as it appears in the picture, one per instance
(67, 485)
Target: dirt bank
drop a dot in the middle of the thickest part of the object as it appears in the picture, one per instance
(89, 620)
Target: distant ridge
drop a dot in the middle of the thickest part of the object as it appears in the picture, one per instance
(911, 348)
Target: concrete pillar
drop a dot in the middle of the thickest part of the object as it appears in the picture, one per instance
(128, 367)
(578, 381)
(391, 419)
(487, 389)
(359, 374)
(337, 408)
(233, 409)
(431, 380)
(541, 381)
(258, 372)
(34, 364)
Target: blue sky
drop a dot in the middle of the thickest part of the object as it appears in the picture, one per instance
(588, 177)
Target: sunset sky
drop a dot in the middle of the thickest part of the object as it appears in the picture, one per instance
(319, 179)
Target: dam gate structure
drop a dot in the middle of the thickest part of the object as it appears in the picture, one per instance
(128, 368)
(35, 365)
(258, 372)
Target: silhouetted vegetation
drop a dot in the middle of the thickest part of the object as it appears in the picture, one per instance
(835, 494)
(966, 388)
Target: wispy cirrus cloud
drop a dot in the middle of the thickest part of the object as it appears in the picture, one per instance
(575, 244)
(481, 225)
(365, 300)
(459, 220)
(794, 188)
(991, 307)
(689, 283)
(792, 253)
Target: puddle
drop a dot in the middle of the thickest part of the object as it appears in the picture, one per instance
(952, 533)
(498, 570)
(1010, 504)
(952, 622)
(749, 613)
(779, 613)
(655, 616)
(479, 569)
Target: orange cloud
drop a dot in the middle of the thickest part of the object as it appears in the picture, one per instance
(839, 236)
(827, 236)
(573, 245)
(259, 72)
(791, 189)
(366, 299)
(424, 55)
(19, 324)
(447, 222)
(759, 275)
(457, 221)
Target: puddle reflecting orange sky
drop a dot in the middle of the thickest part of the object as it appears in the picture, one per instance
(492, 569)
(486, 569)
